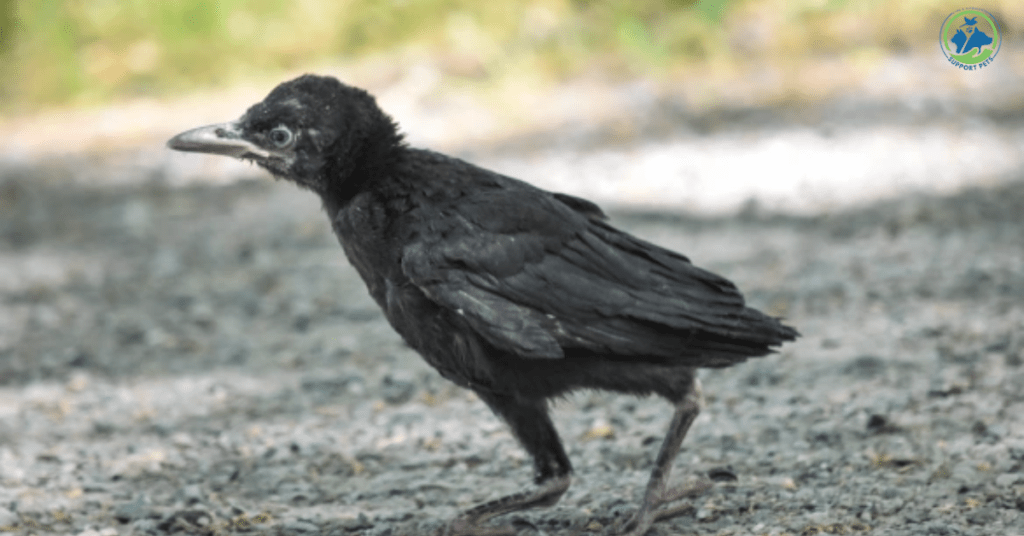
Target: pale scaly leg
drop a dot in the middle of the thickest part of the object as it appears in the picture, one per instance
(532, 426)
(656, 494)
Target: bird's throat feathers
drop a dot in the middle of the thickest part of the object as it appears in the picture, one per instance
(359, 162)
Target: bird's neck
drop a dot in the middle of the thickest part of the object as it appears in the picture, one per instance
(373, 160)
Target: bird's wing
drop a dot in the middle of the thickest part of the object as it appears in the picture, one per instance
(536, 275)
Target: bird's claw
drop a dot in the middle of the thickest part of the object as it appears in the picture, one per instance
(651, 511)
(463, 526)
(693, 487)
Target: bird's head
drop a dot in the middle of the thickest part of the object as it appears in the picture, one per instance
(313, 130)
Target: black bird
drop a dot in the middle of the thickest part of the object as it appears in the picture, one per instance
(517, 293)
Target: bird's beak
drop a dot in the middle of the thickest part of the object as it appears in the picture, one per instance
(222, 138)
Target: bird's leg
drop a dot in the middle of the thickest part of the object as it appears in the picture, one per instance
(656, 494)
(468, 523)
(532, 426)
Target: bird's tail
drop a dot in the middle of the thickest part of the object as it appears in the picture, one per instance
(754, 334)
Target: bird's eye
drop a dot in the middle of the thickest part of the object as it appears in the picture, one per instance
(281, 136)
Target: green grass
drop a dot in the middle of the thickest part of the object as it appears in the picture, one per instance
(61, 52)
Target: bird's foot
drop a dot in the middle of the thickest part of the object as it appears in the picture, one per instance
(469, 523)
(651, 511)
(466, 526)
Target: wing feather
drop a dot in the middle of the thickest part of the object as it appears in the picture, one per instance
(559, 278)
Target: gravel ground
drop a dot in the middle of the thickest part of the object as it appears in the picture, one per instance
(202, 360)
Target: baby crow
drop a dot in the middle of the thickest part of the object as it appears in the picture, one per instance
(517, 293)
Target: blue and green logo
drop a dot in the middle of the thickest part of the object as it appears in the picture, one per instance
(970, 38)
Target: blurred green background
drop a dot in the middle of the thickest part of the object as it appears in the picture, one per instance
(64, 52)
